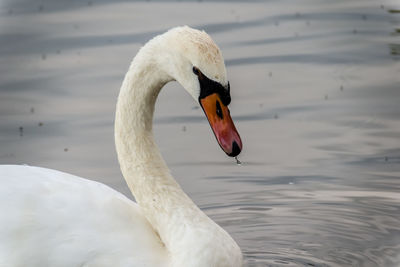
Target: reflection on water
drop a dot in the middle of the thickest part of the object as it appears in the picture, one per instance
(315, 97)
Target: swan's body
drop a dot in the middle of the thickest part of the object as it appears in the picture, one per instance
(51, 218)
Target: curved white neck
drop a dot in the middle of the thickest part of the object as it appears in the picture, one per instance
(146, 173)
(185, 230)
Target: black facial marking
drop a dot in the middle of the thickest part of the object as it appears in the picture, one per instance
(209, 87)
(196, 71)
(219, 110)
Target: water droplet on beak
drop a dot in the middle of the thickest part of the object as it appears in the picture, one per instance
(238, 162)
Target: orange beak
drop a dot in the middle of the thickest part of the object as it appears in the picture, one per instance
(221, 123)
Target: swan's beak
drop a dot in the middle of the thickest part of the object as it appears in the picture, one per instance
(221, 123)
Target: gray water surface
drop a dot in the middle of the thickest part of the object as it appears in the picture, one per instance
(316, 98)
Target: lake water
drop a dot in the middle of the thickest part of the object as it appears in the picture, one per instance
(316, 99)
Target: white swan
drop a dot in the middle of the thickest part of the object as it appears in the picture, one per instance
(50, 218)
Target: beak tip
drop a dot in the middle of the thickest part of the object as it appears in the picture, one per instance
(236, 149)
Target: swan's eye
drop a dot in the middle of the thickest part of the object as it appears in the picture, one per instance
(219, 110)
(196, 71)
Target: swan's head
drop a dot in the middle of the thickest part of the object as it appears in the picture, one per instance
(197, 64)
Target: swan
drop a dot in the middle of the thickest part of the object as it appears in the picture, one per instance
(51, 218)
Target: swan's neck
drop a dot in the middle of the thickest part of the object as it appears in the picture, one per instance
(184, 229)
(161, 199)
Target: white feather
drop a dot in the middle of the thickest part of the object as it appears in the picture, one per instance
(50, 218)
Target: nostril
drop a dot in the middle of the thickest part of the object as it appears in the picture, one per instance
(235, 149)
(219, 110)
